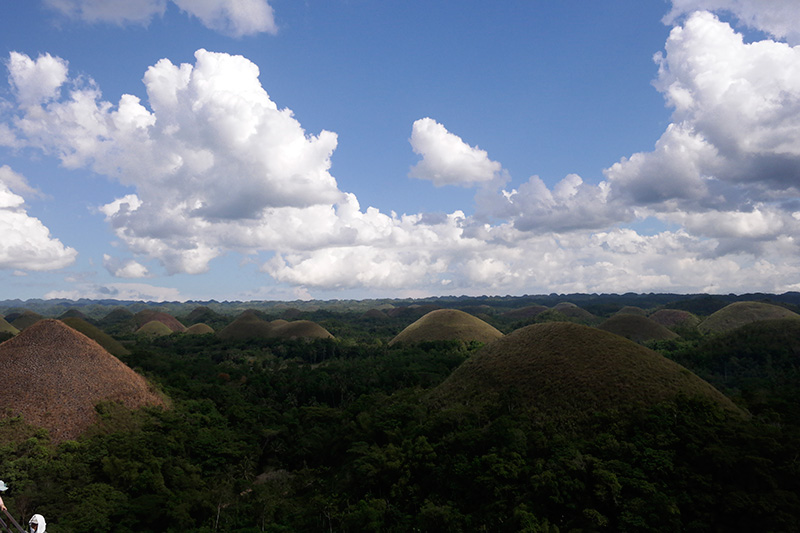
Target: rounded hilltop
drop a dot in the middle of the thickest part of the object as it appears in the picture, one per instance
(54, 376)
(566, 371)
(637, 328)
(249, 325)
(738, 314)
(447, 325)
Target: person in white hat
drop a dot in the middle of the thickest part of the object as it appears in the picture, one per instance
(3, 488)
(37, 524)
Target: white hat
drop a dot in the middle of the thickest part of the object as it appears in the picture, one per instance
(3, 486)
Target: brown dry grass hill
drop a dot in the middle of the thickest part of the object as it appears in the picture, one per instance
(26, 319)
(446, 325)
(300, 329)
(564, 371)
(5, 327)
(738, 314)
(109, 343)
(530, 311)
(154, 328)
(147, 315)
(199, 329)
(54, 376)
(671, 318)
(637, 328)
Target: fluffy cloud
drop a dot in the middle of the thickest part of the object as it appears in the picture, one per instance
(37, 81)
(780, 18)
(124, 268)
(232, 17)
(448, 160)
(570, 205)
(114, 11)
(736, 123)
(216, 166)
(119, 291)
(26, 243)
(215, 162)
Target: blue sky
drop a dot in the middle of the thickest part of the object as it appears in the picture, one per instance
(236, 150)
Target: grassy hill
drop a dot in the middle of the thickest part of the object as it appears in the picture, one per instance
(738, 314)
(570, 310)
(102, 338)
(637, 328)
(248, 325)
(672, 318)
(299, 329)
(5, 327)
(445, 325)
(148, 315)
(199, 329)
(567, 370)
(24, 319)
(154, 328)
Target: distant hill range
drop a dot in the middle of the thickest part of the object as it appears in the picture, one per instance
(602, 305)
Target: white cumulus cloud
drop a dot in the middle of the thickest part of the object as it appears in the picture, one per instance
(119, 291)
(447, 159)
(231, 17)
(781, 18)
(26, 243)
(733, 148)
(127, 268)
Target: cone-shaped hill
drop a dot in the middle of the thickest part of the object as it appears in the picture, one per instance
(147, 315)
(26, 319)
(566, 371)
(54, 376)
(740, 313)
(119, 320)
(249, 325)
(300, 329)
(570, 310)
(199, 329)
(5, 327)
(154, 328)
(637, 328)
(446, 325)
(109, 343)
(671, 318)
(73, 313)
(209, 317)
(375, 313)
(632, 310)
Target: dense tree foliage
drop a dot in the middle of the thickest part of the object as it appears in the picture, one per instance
(339, 435)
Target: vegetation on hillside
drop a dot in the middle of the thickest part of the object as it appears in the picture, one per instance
(340, 434)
